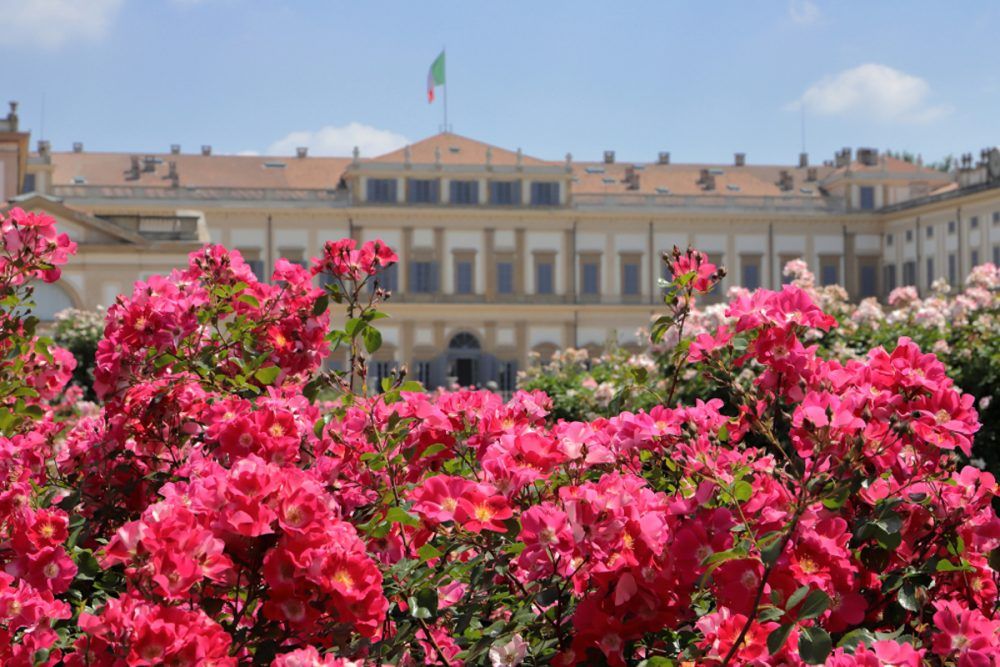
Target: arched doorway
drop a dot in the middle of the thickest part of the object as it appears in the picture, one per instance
(464, 354)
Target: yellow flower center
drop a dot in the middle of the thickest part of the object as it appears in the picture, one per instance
(483, 513)
(343, 577)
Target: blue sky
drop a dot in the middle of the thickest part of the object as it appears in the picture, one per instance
(700, 79)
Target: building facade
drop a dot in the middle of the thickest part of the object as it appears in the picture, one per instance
(501, 254)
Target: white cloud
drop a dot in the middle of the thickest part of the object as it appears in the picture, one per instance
(804, 12)
(331, 140)
(872, 91)
(52, 23)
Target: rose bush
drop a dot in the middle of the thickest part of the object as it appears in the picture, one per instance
(212, 511)
(960, 325)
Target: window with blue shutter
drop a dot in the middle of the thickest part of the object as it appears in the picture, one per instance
(544, 194)
(630, 279)
(751, 276)
(505, 193)
(544, 283)
(591, 278)
(505, 277)
(867, 193)
(463, 277)
(382, 190)
(423, 277)
(464, 192)
(423, 191)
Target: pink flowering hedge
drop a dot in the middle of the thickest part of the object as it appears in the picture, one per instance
(212, 511)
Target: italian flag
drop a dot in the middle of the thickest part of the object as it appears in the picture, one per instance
(435, 76)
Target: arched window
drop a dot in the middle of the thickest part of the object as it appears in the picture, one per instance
(463, 341)
(50, 298)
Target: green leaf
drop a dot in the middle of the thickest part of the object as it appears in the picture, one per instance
(814, 645)
(429, 551)
(855, 637)
(373, 339)
(815, 604)
(907, 597)
(777, 638)
(399, 515)
(412, 386)
(320, 305)
(249, 299)
(433, 449)
(742, 490)
(267, 375)
(795, 598)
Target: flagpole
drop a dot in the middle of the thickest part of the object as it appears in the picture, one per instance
(445, 90)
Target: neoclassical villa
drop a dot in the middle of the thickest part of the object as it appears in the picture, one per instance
(501, 253)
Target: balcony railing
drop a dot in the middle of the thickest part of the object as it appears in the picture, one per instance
(331, 196)
(159, 227)
(791, 203)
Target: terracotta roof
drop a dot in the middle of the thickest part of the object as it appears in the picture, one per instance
(683, 179)
(457, 150)
(199, 171)
(892, 165)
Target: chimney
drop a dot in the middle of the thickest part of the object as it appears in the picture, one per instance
(302, 151)
(663, 157)
(868, 156)
(77, 146)
(44, 146)
(785, 180)
(206, 150)
(842, 158)
(12, 116)
(812, 174)
(609, 157)
(803, 160)
(172, 175)
(707, 180)
(149, 164)
(740, 159)
(133, 171)
(631, 178)
(175, 149)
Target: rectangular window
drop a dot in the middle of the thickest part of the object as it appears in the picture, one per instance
(423, 277)
(930, 271)
(909, 235)
(996, 255)
(951, 227)
(464, 192)
(464, 277)
(996, 217)
(867, 196)
(590, 277)
(829, 270)
(930, 231)
(382, 190)
(974, 257)
(630, 278)
(888, 239)
(868, 281)
(910, 273)
(423, 191)
(750, 271)
(505, 193)
(505, 277)
(544, 277)
(544, 194)
(974, 222)
(890, 277)
(29, 183)
(257, 266)
(952, 269)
